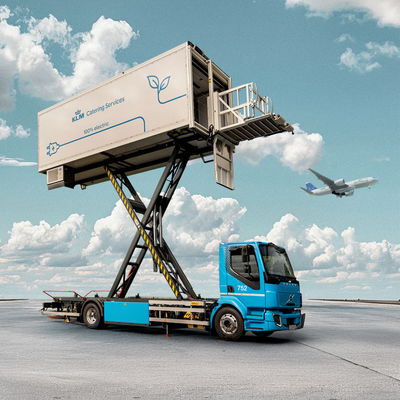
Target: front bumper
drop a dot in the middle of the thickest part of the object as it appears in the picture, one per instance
(277, 321)
(289, 321)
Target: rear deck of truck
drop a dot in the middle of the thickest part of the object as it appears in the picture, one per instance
(140, 311)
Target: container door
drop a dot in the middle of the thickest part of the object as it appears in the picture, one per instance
(223, 162)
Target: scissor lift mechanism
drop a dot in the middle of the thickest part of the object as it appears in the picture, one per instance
(149, 235)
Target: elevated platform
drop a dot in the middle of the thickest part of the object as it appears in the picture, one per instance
(264, 125)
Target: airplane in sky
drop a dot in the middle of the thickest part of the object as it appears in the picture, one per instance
(338, 187)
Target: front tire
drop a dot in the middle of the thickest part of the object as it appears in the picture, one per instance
(229, 324)
(92, 316)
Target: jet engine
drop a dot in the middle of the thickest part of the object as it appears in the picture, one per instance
(339, 182)
(350, 193)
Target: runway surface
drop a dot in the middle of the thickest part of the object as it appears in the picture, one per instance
(345, 351)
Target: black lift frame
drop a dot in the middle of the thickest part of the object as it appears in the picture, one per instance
(149, 235)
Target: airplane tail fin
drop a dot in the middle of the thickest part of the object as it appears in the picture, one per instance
(309, 188)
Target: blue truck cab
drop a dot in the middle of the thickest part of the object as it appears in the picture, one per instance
(258, 291)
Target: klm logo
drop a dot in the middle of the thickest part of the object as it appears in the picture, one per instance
(78, 115)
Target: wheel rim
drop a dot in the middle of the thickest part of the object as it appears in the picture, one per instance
(228, 324)
(91, 315)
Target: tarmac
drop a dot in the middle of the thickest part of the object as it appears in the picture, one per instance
(345, 351)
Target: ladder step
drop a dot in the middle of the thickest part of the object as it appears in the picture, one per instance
(137, 206)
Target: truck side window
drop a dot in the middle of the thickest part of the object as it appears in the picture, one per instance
(243, 265)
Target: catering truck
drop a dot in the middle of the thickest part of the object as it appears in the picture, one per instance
(258, 293)
(162, 113)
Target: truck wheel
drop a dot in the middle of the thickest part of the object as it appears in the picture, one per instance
(262, 333)
(92, 316)
(229, 324)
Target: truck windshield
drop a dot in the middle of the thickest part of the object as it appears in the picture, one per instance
(276, 262)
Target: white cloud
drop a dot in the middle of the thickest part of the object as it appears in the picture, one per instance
(9, 279)
(340, 276)
(94, 59)
(5, 12)
(23, 56)
(15, 162)
(40, 250)
(345, 37)
(366, 61)
(194, 225)
(324, 253)
(26, 238)
(111, 234)
(6, 131)
(21, 132)
(361, 62)
(386, 12)
(387, 49)
(90, 270)
(50, 28)
(298, 152)
(382, 159)
(355, 287)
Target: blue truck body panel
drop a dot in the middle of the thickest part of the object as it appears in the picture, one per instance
(126, 312)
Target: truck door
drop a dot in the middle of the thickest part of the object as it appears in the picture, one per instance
(243, 278)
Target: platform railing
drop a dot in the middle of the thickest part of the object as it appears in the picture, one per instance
(236, 105)
(75, 294)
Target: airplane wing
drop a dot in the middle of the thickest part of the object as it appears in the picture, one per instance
(324, 179)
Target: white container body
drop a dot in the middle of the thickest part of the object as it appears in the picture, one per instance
(134, 109)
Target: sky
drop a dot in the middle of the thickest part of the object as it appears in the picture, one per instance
(332, 70)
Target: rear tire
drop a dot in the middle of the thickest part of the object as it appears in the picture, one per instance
(262, 334)
(92, 316)
(229, 324)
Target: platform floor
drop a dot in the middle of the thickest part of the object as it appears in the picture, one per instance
(345, 351)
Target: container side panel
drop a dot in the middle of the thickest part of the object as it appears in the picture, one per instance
(136, 106)
(126, 312)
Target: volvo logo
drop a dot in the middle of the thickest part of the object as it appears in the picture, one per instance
(290, 299)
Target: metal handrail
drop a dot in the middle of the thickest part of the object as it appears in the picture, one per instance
(76, 294)
(61, 291)
(236, 105)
